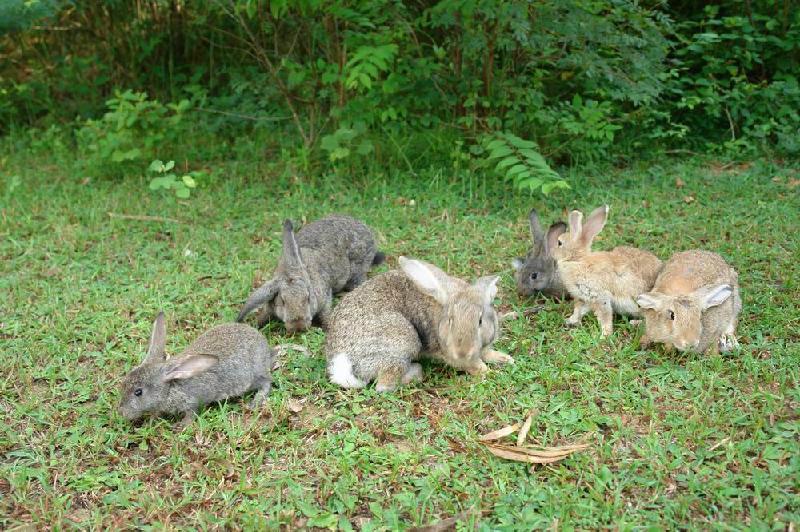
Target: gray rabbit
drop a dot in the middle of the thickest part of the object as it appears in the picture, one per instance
(379, 331)
(226, 361)
(324, 258)
(537, 271)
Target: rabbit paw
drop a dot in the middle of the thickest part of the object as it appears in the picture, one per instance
(727, 342)
(496, 357)
(479, 369)
(413, 373)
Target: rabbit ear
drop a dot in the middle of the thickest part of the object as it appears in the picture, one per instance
(536, 229)
(518, 262)
(711, 296)
(650, 300)
(488, 286)
(291, 253)
(423, 278)
(188, 366)
(575, 225)
(262, 295)
(555, 231)
(158, 339)
(594, 224)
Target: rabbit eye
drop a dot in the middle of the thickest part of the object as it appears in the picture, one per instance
(671, 315)
(534, 276)
(137, 392)
(560, 243)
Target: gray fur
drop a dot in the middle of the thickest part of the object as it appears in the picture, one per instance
(379, 331)
(226, 361)
(324, 258)
(537, 272)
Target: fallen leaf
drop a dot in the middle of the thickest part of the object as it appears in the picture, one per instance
(679, 183)
(645, 204)
(526, 427)
(294, 405)
(688, 199)
(542, 455)
(793, 183)
(500, 433)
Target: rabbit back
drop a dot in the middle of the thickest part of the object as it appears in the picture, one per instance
(384, 322)
(245, 361)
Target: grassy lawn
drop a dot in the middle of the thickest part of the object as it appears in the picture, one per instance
(677, 440)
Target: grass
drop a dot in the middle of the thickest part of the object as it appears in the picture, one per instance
(677, 440)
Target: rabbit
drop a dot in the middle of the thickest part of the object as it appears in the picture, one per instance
(380, 330)
(537, 271)
(324, 258)
(694, 305)
(226, 361)
(605, 282)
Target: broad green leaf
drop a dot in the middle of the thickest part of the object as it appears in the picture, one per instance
(189, 181)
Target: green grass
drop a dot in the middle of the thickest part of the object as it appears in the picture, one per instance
(677, 440)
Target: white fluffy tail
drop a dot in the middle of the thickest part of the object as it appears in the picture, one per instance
(340, 370)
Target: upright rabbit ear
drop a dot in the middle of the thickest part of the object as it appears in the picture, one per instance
(188, 366)
(264, 294)
(537, 235)
(575, 225)
(650, 300)
(713, 295)
(488, 286)
(555, 231)
(424, 279)
(594, 224)
(291, 253)
(156, 351)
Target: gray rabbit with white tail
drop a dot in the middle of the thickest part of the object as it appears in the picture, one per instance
(324, 258)
(379, 331)
(537, 271)
(226, 361)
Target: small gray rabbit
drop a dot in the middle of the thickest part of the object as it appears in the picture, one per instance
(694, 305)
(226, 361)
(379, 331)
(537, 271)
(324, 258)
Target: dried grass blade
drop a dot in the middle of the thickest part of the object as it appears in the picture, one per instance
(523, 432)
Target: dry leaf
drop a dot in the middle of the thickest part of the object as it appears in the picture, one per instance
(793, 183)
(688, 199)
(679, 183)
(294, 405)
(526, 427)
(645, 204)
(542, 455)
(500, 433)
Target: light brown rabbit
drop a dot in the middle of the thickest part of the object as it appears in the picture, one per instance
(605, 282)
(694, 304)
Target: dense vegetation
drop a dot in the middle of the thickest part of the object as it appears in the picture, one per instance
(343, 84)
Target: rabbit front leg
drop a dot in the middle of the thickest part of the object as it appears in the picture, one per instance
(605, 316)
(188, 418)
(496, 357)
(581, 308)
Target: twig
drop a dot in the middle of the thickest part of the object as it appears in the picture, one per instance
(143, 218)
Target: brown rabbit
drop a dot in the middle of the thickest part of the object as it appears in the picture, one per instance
(694, 304)
(604, 282)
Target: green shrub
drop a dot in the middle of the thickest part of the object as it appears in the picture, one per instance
(132, 131)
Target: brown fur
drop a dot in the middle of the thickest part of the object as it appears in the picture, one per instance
(676, 311)
(603, 282)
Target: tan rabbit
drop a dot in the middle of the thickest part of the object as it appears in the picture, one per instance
(381, 329)
(604, 282)
(694, 304)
